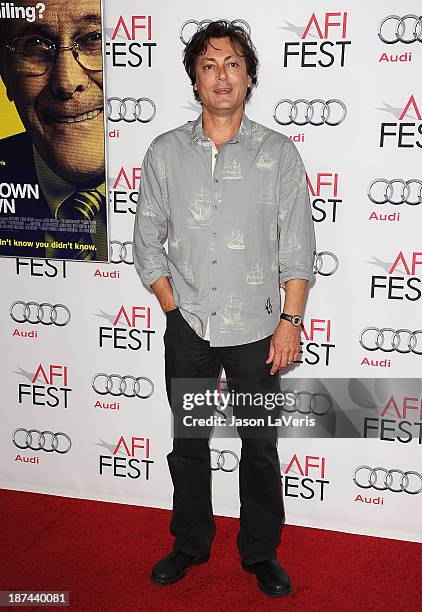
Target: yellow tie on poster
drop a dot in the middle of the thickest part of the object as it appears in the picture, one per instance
(89, 206)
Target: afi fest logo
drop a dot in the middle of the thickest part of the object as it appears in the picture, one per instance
(130, 329)
(322, 42)
(324, 192)
(131, 43)
(129, 458)
(124, 190)
(317, 344)
(402, 281)
(305, 477)
(49, 386)
(399, 420)
(41, 268)
(405, 131)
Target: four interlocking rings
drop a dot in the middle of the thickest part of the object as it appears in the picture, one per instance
(387, 482)
(414, 34)
(47, 441)
(395, 340)
(123, 388)
(199, 24)
(122, 256)
(221, 460)
(326, 109)
(403, 197)
(121, 112)
(329, 259)
(45, 313)
(305, 402)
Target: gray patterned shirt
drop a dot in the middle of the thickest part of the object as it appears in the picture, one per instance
(232, 233)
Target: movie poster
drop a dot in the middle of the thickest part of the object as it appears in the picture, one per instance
(53, 197)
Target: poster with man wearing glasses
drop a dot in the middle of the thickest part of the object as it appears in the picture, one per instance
(52, 138)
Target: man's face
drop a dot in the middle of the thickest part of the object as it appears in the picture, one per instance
(62, 109)
(221, 77)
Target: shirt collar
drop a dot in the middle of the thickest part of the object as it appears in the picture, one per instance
(243, 135)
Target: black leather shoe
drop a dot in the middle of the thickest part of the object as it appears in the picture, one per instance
(174, 566)
(271, 577)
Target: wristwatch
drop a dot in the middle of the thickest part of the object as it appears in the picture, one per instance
(295, 320)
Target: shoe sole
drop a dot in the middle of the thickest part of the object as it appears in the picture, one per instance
(263, 589)
(197, 561)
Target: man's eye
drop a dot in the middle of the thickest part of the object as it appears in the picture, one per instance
(234, 64)
(90, 41)
(30, 46)
(208, 66)
(36, 42)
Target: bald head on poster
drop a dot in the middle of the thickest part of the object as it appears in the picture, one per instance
(51, 65)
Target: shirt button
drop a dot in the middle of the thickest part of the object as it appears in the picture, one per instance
(215, 155)
(214, 261)
(216, 181)
(214, 288)
(215, 206)
(213, 314)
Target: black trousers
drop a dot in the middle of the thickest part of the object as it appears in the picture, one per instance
(261, 500)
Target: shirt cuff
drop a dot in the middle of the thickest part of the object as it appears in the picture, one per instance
(149, 277)
(297, 272)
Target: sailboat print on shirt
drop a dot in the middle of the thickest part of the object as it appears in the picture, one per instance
(234, 240)
(186, 271)
(231, 318)
(255, 275)
(147, 209)
(200, 209)
(232, 170)
(265, 161)
(267, 194)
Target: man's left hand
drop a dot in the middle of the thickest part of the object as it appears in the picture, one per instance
(284, 347)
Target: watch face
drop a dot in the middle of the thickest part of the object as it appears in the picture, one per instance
(296, 320)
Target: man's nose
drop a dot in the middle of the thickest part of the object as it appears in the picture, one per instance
(221, 73)
(67, 76)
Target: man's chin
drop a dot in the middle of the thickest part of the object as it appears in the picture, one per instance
(82, 171)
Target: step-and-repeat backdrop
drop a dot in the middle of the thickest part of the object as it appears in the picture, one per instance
(84, 409)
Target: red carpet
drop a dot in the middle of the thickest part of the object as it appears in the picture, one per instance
(102, 554)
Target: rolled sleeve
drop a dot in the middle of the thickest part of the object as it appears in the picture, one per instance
(295, 224)
(151, 224)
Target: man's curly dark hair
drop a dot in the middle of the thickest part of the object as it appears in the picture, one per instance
(239, 39)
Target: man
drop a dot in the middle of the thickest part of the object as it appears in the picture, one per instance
(231, 194)
(52, 70)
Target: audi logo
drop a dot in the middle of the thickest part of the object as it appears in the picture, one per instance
(116, 385)
(388, 340)
(407, 29)
(45, 313)
(302, 112)
(325, 263)
(391, 482)
(396, 191)
(121, 252)
(200, 24)
(131, 109)
(305, 402)
(47, 441)
(221, 457)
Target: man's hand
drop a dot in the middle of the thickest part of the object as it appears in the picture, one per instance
(285, 346)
